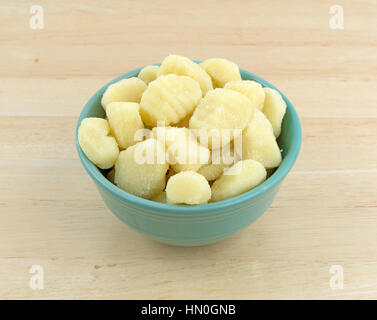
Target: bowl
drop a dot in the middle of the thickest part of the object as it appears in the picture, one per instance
(201, 224)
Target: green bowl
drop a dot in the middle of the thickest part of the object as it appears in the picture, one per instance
(200, 224)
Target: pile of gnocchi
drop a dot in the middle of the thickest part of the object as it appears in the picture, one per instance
(151, 140)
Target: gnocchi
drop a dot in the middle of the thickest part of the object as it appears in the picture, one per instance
(97, 143)
(274, 109)
(141, 170)
(149, 73)
(169, 99)
(183, 150)
(124, 120)
(258, 142)
(251, 89)
(211, 171)
(242, 177)
(220, 160)
(183, 66)
(188, 187)
(125, 90)
(221, 71)
(218, 111)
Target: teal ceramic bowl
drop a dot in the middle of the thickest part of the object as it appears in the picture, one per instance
(201, 224)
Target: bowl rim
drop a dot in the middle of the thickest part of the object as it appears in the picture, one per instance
(280, 173)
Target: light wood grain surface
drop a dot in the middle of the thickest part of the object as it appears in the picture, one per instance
(52, 215)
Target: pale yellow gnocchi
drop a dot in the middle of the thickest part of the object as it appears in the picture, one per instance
(184, 153)
(183, 66)
(141, 169)
(211, 171)
(221, 71)
(242, 177)
(219, 114)
(125, 90)
(220, 159)
(251, 89)
(188, 187)
(169, 99)
(259, 143)
(125, 121)
(274, 109)
(97, 143)
(149, 73)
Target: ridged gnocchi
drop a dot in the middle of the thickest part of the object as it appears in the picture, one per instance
(124, 120)
(251, 89)
(170, 99)
(221, 71)
(259, 143)
(242, 177)
(218, 111)
(141, 169)
(125, 90)
(97, 143)
(183, 66)
(149, 73)
(274, 109)
(188, 187)
(184, 153)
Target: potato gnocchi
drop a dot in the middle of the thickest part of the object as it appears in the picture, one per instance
(96, 142)
(221, 71)
(221, 110)
(140, 170)
(149, 73)
(258, 142)
(169, 99)
(183, 66)
(166, 120)
(125, 90)
(251, 89)
(124, 120)
(242, 177)
(184, 153)
(220, 160)
(274, 109)
(188, 187)
(212, 171)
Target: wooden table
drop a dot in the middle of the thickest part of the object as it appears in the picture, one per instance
(52, 216)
